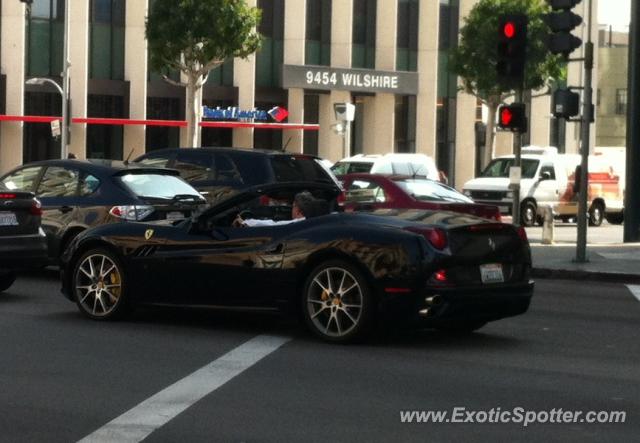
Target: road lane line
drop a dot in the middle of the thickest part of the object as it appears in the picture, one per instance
(635, 290)
(137, 423)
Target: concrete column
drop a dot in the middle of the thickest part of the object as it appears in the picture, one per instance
(79, 72)
(135, 72)
(428, 25)
(380, 113)
(13, 52)
(330, 143)
(341, 33)
(244, 77)
(294, 48)
(465, 118)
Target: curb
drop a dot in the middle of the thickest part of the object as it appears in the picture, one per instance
(578, 274)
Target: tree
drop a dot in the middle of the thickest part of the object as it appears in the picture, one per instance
(195, 37)
(475, 58)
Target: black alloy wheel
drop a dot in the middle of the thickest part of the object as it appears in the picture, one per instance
(337, 304)
(596, 214)
(528, 213)
(99, 285)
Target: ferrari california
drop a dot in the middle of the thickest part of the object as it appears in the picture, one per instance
(341, 272)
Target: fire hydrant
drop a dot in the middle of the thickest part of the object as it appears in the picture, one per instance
(547, 226)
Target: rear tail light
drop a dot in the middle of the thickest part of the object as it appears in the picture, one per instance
(436, 236)
(341, 199)
(36, 207)
(523, 234)
(440, 276)
(132, 212)
(7, 196)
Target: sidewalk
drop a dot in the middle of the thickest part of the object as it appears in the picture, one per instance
(618, 262)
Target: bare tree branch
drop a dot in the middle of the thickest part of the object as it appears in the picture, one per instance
(172, 82)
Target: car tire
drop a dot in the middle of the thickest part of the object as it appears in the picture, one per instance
(566, 219)
(6, 280)
(337, 302)
(615, 218)
(462, 327)
(98, 285)
(528, 213)
(596, 214)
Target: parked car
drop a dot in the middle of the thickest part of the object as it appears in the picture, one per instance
(389, 164)
(78, 194)
(340, 271)
(221, 172)
(23, 243)
(371, 192)
(549, 179)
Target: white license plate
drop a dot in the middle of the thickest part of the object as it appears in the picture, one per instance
(491, 273)
(503, 209)
(175, 215)
(8, 219)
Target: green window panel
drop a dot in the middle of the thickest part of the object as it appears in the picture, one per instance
(101, 51)
(117, 68)
(268, 61)
(222, 75)
(363, 57)
(39, 48)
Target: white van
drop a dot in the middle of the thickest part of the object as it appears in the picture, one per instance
(548, 178)
(396, 164)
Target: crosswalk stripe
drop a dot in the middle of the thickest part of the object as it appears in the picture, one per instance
(140, 421)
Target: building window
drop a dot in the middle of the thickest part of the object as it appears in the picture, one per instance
(158, 137)
(364, 34)
(217, 136)
(405, 124)
(45, 38)
(270, 56)
(621, 101)
(107, 39)
(407, 55)
(318, 29)
(105, 141)
(38, 142)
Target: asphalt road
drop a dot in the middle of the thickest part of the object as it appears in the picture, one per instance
(63, 377)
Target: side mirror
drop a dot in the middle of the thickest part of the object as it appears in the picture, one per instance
(546, 175)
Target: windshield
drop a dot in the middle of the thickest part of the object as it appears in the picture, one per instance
(342, 168)
(500, 168)
(157, 185)
(428, 190)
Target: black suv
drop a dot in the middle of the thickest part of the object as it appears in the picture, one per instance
(219, 172)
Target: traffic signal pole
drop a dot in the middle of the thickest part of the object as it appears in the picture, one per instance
(583, 196)
(517, 151)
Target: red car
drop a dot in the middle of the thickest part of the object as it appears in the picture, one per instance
(373, 191)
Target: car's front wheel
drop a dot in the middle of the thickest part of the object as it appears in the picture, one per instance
(99, 285)
(6, 280)
(337, 304)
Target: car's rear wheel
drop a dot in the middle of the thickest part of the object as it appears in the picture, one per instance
(6, 280)
(99, 285)
(337, 304)
(528, 213)
(596, 214)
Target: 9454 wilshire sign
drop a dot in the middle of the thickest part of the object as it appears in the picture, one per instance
(363, 80)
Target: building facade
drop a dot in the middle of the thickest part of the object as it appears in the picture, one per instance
(387, 57)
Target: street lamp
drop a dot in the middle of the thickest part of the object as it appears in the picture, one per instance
(64, 89)
(65, 109)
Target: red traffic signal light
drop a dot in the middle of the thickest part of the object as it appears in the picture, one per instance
(512, 48)
(513, 117)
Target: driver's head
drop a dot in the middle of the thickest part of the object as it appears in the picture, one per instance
(302, 204)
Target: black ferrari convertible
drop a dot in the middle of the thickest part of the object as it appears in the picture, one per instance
(340, 271)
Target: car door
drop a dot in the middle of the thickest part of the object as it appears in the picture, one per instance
(547, 192)
(224, 266)
(58, 192)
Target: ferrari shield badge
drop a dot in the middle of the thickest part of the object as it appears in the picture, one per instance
(148, 234)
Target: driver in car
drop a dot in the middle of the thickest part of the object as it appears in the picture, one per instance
(303, 203)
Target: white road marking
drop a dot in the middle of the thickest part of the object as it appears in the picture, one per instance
(635, 290)
(140, 421)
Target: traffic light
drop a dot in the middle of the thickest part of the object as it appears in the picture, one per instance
(566, 103)
(512, 49)
(513, 117)
(561, 41)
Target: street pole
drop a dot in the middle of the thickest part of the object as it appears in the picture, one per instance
(517, 151)
(581, 245)
(64, 125)
(632, 199)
